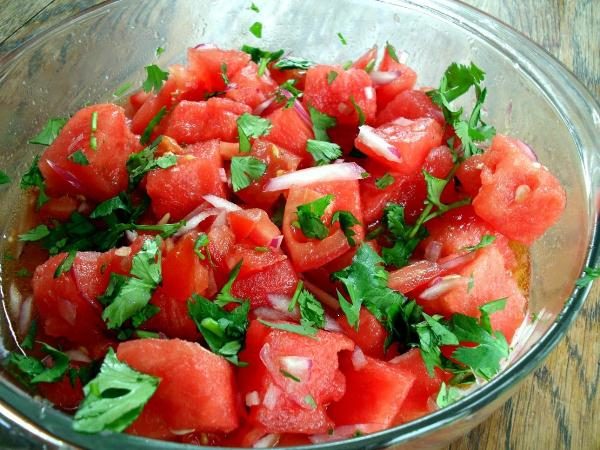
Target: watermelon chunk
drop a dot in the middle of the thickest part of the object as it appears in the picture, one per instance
(371, 334)
(250, 89)
(410, 104)
(290, 131)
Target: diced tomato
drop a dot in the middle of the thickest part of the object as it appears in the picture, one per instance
(490, 280)
(278, 161)
(287, 405)
(410, 104)
(409, 143)
(518, 197)
(179, 189)
(250, 89)
(308, 254)
(290, 131)
(371, 334)
(59, 208)
(374, 393)
(105, 175)
(422, 395)
(405, 81)
(183, 274)
(277, 279)
(367, 59)
(206, 66)
(342, 98)
(183, 367)
(192, 122)
(63, 311)
(253, 225)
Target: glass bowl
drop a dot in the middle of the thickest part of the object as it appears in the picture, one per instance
(531, 96)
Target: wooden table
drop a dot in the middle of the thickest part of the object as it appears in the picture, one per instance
(559, 406)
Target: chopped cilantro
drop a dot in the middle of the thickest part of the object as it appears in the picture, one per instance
(4, 178)
(331, 76)
(23, 273)
(155, 77)
(404, 242)
(288, 92)
(224, 297)
(370, 66)
(309, 218)
(292, 377)
(49, 132)
(35, 371)
(385, 181)
(224, 73)
(111, 206)
(200, 242)
(256, 29)
(65, 264)
(79, 157)
(359, 111)
(323, 152)
(262, 57)
(321, 122)
(250, 126)
(391, 50)
(447, 395)
(159, 51)
(29, 340)
(145, 137)
(291, 63)
(312, 314)
(302, 330)
(35, 234)
(347, 64)
(114, 398)
(245, 170)
(342, 38)
(122, 89)
(347, 221)
(589, 274)
(310, 401)
(486, 239)
(144, 161)
(33, 179)
(143, 315)
(254, 8)
(470, 284)
(223, 331)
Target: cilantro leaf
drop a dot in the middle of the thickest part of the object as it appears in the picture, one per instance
(359, 111)
(391, 50)
(35, 234)
(404, 242)
(159, 51)
(292, 62)
(127, 295)
(321, 122)
(78, 157)
(122, 89)
(66, 264)
(223, 331)
(250, 126)
(288, 93)
(245, 170)
(447, 395)
(432, 333)
(309, 217)
(4, 178)
(342, 38)
(200, 242)
(34, 371)
(144, 314)
(323, 152)
(347, 221)
(589, 274)
(50, 131)
(312, 314)
(33, 179)
(302, 330)
(144, 161)
(114, 398)
(145, 137)
(331, 76)
(28, 341)
(254, 8)
(256, 29)
(155, 77)
(262, 57)
(486, 239)
(385, 181)
(224, 297)
(110, 206)
(224, 73)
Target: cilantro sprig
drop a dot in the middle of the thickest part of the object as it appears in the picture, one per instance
(34, 371)
(292, 62)
(155, 77)
(49, 132)
(323, 152)
(145, 160)
(250, 126)
(33, 179)
(262, 57)
(310, 218)
(321, 123)
(245, 170)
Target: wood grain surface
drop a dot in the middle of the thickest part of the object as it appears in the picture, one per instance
(558, 407)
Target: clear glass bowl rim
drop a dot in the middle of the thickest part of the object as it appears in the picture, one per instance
(568, 95)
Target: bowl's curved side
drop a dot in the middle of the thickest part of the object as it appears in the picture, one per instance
(75, 52)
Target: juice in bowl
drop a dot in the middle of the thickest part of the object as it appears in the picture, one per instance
(214, 181)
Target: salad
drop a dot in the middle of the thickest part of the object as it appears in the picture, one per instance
(255, 249)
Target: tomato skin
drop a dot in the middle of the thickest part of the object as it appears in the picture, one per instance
(105, 175)
(336, 98)
(308, 254)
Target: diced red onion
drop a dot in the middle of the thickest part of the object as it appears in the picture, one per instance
(65, 174)
(442, 285)
(264, 105)
(324, 297)
(433, 251)
(25, 315)
(220, 220)
(15, 302)
(453, 261)
(268, 441)
(378, 144)
(298, 108)
(123, 251)
(78, 355)
(220, 202)
(276, 242)
(196, 220)
(205, 46)
(299, 366)
(182, 432)
(380, 78)
(66, 311)
(279, 302)
(345, 432)
(252, 398)
(369, 93)
(527, 150)
(223, 175)
(332, 172)
(131, 235)
(359, 360)
(332, 325)
(271, 396)
(263, 312)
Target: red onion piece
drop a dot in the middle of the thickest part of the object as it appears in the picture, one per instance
(78, 355)
(276, 242)
(205, 46)
(223, 175)
(345, 432)
(271, 396)
(359, 360)
(265, 313)
(15, 302)
(332, 325)
(25, 315)
(268, 441)
(305, 177)
(378, 144)
(369, 93)
(442, 285)
(182, 432)
(433, 251)
(527, 150)
(68, 176)
(131, 235)
(298, 108)
(196, 220)
(221, 203)
(252, 398)
(380, 78)
(264, 105)
(454, 261)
